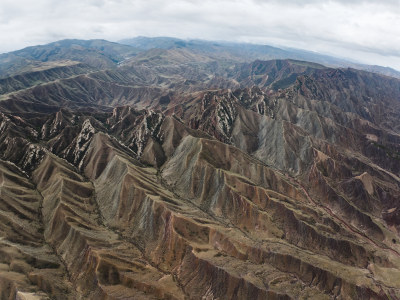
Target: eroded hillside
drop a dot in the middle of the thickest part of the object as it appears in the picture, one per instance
(176, 176)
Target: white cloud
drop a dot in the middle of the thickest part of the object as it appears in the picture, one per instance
(368, 31)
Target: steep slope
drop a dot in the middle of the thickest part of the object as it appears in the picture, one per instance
(174, 176)
(155, 79)
(211, 209)
(30, 267)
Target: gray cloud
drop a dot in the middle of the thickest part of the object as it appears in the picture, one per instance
(350, 2)
(368, 31)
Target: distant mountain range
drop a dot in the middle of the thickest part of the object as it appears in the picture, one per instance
(101, 53)
(250, 52)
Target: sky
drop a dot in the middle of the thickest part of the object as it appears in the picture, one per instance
(366, 31)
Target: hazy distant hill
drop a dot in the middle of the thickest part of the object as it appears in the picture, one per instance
(95, 53)
(248, 52)
(102, 54)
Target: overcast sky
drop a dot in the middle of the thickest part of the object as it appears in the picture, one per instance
(366, 31)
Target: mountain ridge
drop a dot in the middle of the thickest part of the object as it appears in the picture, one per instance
(175, 175)
(108, 54)
(256, 51)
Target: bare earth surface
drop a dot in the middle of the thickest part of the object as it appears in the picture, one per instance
(177, 175)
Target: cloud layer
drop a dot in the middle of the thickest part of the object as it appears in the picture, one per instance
(366, 31)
